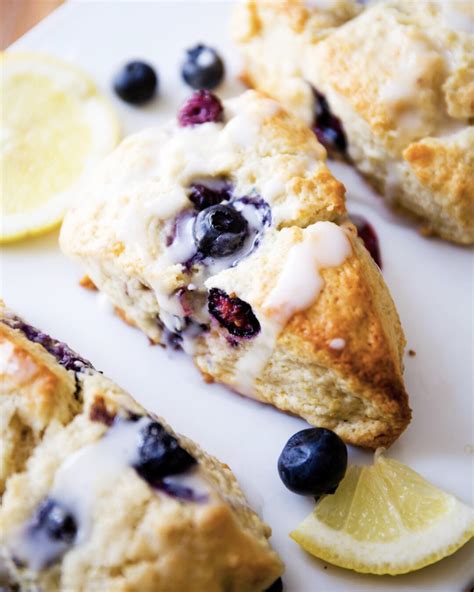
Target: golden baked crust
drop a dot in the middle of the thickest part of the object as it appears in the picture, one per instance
(358, 392)
(410, 80)
(446, 169)
(139, 538)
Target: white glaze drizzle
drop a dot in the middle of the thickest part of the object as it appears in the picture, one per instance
(80, 481)
(186, 155)
(298, 285)
(252, 363)
(191, 479)
(401, 93)
(324, 245)
(337, 343)
(183, 246)
(181, 250)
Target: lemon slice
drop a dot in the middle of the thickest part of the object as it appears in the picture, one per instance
(385, 519)
(54, 125)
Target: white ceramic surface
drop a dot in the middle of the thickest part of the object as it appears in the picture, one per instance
(431, 282)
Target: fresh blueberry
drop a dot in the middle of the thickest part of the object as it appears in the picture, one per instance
(160, 454)
(219, 230)
(55, 521)
(201, 107)
(136, 82)
(234, 314)
(277, 586)
(328, 128)
(202, 68)
(64, 355)
(203, 196)
(313, 462)
(366, 232)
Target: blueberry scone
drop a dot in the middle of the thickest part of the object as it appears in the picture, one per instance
(99, 495)
(392, 87)
(224, 233)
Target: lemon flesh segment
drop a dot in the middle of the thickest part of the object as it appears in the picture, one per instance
(385, 519)
(54, 125)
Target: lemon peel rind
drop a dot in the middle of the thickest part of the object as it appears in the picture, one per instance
(318, 544)
(30, 233)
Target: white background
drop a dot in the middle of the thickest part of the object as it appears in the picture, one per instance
(431, 282)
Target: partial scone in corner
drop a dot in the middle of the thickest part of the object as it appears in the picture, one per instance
(99, 495)
(393, 86)
(224, 233)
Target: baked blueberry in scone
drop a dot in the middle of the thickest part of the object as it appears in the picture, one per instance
(225, 234)
(393, 88)
(99, 495)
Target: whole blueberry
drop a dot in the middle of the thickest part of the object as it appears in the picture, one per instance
(136, 82)
(234, 314)
(160, 455)
(56, 521)
(313, 462)
(201, 107)
(202, 68)
(219, 230)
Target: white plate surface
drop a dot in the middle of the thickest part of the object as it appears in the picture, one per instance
(431, 282)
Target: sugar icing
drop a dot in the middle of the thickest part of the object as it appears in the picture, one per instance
(324, 245)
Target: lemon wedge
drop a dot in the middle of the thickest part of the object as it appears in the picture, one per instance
(54, 125)
(385, 519)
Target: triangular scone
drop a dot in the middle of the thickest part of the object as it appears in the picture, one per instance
(403, 94)
(137, 230)
(98, 504)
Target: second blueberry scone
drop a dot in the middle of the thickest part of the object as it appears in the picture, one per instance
(224, 233)
(96, 494)
(393, 86)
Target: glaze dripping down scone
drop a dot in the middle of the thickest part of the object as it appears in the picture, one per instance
(99, 495)
(394, 85)
(228, 239)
